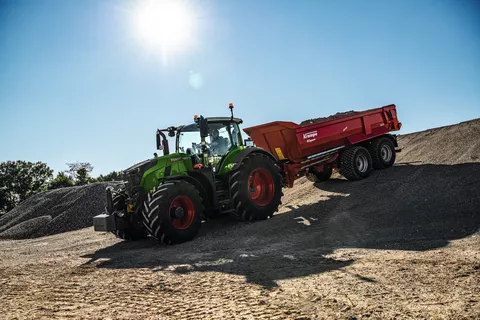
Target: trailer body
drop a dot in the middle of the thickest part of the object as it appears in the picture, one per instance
(298, 149)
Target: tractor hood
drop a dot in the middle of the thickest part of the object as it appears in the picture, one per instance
(141, 167)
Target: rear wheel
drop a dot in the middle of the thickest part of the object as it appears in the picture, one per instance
(256, 188)
(383, 153)
(172, 212)
(135, 229)
(355, 163)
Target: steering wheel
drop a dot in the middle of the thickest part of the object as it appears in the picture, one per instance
(197, 148)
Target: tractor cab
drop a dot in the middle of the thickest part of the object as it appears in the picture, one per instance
(222, 136)
(207, 141)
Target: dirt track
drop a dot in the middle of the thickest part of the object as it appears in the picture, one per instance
(403, 243)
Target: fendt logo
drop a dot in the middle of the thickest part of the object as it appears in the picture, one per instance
(310, 135)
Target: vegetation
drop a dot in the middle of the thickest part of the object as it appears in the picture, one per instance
(62, 180)
(22, 179)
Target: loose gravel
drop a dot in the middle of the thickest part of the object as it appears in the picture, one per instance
(337, 115)
(54, 211)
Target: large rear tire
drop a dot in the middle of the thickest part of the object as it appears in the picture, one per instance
(173, 212)
(135, 230)
(383, 153)
(256, 188)
(355, 163)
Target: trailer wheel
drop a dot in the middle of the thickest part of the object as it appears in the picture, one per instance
(383, 153)
(135, 230)
(324, 175)
(172, 212)
(256, 188)
(355, 163)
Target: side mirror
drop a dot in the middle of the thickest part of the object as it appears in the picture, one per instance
(248, 142)
(162, 143)
(203, 124)
(158, 140)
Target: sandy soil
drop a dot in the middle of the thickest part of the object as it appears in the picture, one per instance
(402, 244)
(86, 275)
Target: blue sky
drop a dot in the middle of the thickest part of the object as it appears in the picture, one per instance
(76, 84)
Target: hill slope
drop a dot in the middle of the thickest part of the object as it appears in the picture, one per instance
(453, 144)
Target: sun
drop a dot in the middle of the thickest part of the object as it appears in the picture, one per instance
(165, 25)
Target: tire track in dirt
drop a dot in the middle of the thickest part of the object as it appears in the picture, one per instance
(140, 294)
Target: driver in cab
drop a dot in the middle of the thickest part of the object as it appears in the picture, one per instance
(219, 144)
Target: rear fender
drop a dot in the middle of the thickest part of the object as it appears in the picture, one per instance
(247, 151)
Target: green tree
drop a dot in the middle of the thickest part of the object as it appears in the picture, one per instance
(74, 167)
(62, 180)
(82, 177)
(21, 179)
(112, 176)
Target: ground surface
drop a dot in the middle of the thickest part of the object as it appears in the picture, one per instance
(403, 243)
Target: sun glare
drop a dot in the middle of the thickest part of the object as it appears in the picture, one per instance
(165, 25)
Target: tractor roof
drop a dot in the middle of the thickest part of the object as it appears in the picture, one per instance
(211, 120)
(224, 119)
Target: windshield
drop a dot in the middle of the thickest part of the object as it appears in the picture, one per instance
(189, 142)
(222, 137)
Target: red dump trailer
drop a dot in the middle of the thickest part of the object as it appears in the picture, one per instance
(354, 144)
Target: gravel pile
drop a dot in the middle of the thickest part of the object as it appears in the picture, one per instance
(337, 115)
(54, 211)
(459, 143)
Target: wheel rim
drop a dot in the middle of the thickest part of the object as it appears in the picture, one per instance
(261, 187)
(362, 163)
(182, 212)
(386, 153)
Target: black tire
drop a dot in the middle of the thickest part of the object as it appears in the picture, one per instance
(168, 199)
(382, 151)
(324, 175)
(135, 230)
(355, 163)
(258, 203)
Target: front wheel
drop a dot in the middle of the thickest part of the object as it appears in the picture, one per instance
(172, 212)
(135, 229)
(316, 176)
(256, 188)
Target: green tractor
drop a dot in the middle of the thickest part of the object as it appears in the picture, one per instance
(212, 172)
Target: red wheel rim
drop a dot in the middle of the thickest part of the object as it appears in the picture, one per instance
(261, 187)
(182, 212)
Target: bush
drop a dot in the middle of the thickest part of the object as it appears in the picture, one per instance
(21, 179)
(62, 180)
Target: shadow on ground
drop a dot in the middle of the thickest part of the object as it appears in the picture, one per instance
(407, 207)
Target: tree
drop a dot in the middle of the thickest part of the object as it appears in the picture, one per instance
(62, 180)
(112, 176)
(21, 179)
(82, 176)
(74, 167)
